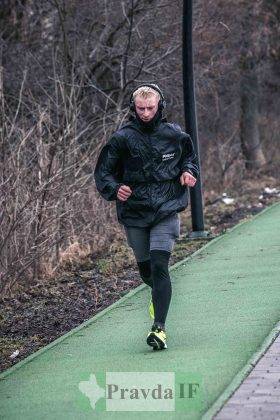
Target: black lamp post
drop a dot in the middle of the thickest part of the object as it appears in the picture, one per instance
(190, 118)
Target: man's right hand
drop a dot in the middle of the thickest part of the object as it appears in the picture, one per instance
(124, 192)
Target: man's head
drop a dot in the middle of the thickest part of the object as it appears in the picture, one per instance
(146, 101)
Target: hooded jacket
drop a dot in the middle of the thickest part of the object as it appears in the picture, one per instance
(149, 158)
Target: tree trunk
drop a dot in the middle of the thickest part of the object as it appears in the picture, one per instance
(249, 127)
(249, 87)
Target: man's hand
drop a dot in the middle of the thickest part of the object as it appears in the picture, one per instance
(124, 192)
(187, 179)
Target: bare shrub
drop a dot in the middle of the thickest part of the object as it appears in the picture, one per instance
(67, 68)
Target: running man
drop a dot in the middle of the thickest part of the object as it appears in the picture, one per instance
(146, 166)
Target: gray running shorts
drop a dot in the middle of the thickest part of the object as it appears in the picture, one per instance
(161, 236)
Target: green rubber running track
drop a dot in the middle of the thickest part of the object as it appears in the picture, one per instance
(225, 306)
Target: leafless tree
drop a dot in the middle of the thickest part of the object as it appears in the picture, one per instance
(67, 68)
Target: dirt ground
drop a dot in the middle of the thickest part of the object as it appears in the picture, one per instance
(36, 315)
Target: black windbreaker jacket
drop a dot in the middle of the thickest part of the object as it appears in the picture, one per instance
(150, 160)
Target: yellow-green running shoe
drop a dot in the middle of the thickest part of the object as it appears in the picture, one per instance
(151, 309)
(157, 339)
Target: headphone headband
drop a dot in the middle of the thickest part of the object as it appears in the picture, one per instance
(162, 103)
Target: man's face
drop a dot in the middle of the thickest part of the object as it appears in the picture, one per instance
(146, 108)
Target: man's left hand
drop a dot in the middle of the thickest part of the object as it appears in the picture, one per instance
(187, 179)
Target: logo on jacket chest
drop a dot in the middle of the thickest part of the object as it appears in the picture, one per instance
(168, 156)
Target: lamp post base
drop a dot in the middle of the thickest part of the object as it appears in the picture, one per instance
(200, 234)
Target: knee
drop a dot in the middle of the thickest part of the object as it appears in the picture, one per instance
(159, 257)
(159, 263)
(158, 268)
(145, 272)
(144, 268)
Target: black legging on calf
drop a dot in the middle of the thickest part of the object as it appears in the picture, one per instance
(162, 289)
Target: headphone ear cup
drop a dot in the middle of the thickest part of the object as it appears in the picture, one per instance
(161, 105)
(132, 107)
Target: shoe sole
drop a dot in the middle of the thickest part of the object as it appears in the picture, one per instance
(155, 342)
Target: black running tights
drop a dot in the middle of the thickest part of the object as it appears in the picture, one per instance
(154, 272)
